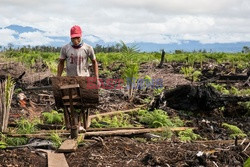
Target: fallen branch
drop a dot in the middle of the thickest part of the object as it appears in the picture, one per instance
(116, 112)
(134, 131)
(119, 132)
(112, 129)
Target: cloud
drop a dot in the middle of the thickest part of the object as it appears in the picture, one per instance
(159, 21)
(7, 36)
(33, 39)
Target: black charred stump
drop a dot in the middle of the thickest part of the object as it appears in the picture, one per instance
(195, 98)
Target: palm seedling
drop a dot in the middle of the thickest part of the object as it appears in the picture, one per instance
(6, 92)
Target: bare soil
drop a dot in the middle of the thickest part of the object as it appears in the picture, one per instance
(123, 151)
(117, 151)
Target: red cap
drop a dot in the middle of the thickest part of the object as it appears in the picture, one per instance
(75, 31)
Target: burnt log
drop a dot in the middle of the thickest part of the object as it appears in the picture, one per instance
(195, 98)
(162, 58)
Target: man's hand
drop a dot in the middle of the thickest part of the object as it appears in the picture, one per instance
(60, 67)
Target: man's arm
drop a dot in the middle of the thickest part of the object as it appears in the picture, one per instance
(95, 68)
(60, 67)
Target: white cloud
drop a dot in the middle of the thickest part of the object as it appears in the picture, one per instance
(159, 21)
(33, 39)
(7, 36)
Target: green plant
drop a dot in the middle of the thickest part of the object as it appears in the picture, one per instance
(234, 131)
(158, 91)
(18, 90)
(2, 145)
(187, 71)
(188, 135)
(177, 121)
(80, 139)
(16, 141)
(220, 88)
(6, 92)
(195, 76)
(147, 81)
(154, 119)
(121, 120)
(130, 75)
(190, 73)
(12, 141)
(166, 134)
(53, 117)
(246, 105)
(247, 163)
(141, 140)
(56, 139)
(25, 126)
(147, 100)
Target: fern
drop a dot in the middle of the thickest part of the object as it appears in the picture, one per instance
(56, 139)
(155, 119)
(188, 135)
(25, 126)
(53, 117)
(121, 120)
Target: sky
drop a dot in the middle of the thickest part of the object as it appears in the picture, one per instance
(157, 21)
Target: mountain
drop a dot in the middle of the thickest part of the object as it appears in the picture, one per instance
(194, 45)
(21, 29)
(93, 40)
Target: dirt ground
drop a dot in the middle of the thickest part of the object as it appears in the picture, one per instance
(123, 151)
(128, 152)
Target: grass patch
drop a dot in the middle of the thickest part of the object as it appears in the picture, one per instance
(234, 131)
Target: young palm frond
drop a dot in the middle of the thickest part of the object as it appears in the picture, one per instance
(6, 92)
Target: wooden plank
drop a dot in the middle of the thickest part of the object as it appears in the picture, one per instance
(73, 103)
(69, 145)
(69, 86)
(39, 88)
(73, 97)
(56, 160)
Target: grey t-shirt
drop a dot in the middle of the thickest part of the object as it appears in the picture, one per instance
(77, 59)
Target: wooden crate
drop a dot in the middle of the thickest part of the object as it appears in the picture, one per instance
(88, 90)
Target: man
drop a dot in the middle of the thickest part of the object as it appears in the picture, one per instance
(76, 55)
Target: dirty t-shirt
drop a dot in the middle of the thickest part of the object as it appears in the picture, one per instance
(77, 59)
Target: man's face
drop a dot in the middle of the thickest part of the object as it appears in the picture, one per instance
(76, 41)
